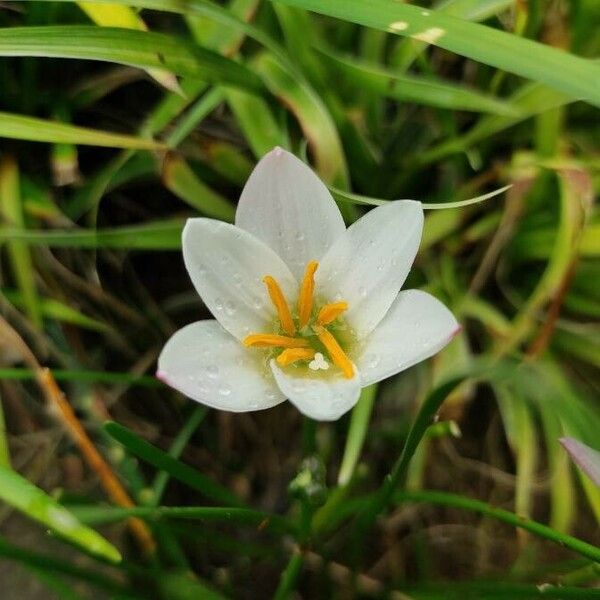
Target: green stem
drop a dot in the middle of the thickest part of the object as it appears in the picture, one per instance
(4, 452)
(84, 376)
(177, 447)
(447, 499)
(499, 589)
(289, 576)
(423, 420)
(102, 515)
(359, 423)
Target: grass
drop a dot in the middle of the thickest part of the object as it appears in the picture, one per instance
(121, 119)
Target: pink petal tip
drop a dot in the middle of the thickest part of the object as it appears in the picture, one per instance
(162, 376)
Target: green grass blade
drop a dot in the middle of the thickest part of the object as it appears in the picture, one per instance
(11, 210)
(41, 130)
(560, 70)
(313, 116)
(107, 377)
(102, 515)
(117, 15)
(50, 564)
(37, 505)
(456, 501)
(178, 470)
(54, 309)
(157, 235)
(127, 47)
(179, 443)
(4, 451)
(359, 424)
(410, 88)
(180, 179)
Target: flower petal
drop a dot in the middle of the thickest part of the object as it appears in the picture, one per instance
(367, 266)
(416, 327)
(290, 209)
(586, 458)
(227, 265)
(324, 398)
(210, 366)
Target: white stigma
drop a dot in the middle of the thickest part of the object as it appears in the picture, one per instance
(318, 362)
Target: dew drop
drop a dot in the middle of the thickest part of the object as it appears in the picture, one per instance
(225, 390)
(362, 291)
(218, 304)
(371, 361)
(230, 307)
(212, 371)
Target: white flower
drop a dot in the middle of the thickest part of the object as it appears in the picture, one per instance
(306, 309)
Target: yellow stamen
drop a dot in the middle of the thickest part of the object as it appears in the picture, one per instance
(337, 355)
(292, 355)
(283, 310)
(330, 312)
(305, 300)
(268, 340)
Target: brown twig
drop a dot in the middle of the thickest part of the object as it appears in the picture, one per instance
(543, 338)
(63, 410)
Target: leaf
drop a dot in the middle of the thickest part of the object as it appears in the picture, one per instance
(180, 179)
(178, 470)
(41, 130)
(420, 90)
(157, 235)
(359, 425)
(117, 15)
(107, 377)
(313, 116)
(127, 47)
(37, 505)
(11, 209)
(560, 70)
(55, 309)
(586, 458)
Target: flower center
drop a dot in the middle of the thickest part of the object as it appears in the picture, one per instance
(308, 333)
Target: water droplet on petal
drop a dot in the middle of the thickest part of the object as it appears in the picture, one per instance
(225, 390)
(371, 361)
(212, 371)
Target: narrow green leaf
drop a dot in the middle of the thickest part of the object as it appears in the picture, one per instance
(11, 210)
(313, 116)
(456, 501)
(358, 199)
(107, 377)
(359, 424)
(178, 470)
(192, 423)
(420, 90)
(102, 515)
(157, 235)
(127, 47)
(41, 130)
(180, 179)
(557, 69)
(37, 505)
(117, 15)
(4, 452)
(55, 309)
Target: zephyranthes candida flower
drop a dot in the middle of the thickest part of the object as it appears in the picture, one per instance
(305, 308)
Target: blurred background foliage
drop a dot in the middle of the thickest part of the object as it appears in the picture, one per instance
(118, 120)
